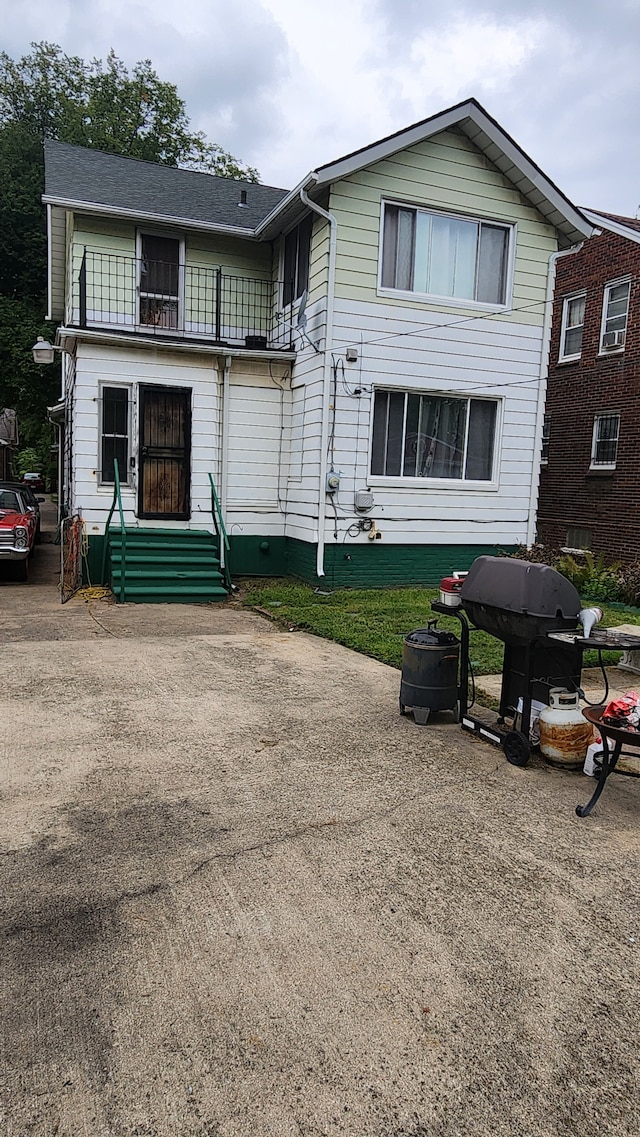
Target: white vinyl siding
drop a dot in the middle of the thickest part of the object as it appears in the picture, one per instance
(444, 174)
(99, 366)
(486, 357)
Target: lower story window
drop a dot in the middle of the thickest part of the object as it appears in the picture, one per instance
(578, 538)
(604, 448)
(114, 435)
(433, 436)
(546, 435)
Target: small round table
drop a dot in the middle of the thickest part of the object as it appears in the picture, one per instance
(614, 738)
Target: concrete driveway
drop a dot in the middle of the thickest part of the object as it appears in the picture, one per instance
(242, 897)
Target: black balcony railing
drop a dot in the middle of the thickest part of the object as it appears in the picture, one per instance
(193, 301)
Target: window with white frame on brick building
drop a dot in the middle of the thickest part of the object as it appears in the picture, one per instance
(615, 312)
(572, 327)
(604, 446)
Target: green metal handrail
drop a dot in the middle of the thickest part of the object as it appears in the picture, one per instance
(117, 497)
(223, 540)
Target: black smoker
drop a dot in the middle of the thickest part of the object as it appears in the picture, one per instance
(521, 604)
(429, 672)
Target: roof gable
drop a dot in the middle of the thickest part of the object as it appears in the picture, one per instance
(497, 146)
(108, 183)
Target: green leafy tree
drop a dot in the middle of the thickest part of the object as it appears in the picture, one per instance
(101, 105)
(104, 106)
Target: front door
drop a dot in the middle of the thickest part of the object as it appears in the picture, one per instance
(165, 453)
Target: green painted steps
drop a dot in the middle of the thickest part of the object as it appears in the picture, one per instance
(170, 566)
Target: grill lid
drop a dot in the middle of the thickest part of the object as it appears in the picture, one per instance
(520, 586)
(431, 636)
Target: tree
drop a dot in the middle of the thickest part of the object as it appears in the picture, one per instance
(102, 106)
(48, 94)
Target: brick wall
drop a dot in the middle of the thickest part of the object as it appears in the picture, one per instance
(606, 502)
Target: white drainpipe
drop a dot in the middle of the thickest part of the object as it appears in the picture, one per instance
(224, 443)
(542, 386)
(326, 382)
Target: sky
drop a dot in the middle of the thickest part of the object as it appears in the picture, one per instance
(288, 85)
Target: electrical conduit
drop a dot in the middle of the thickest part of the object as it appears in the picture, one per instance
(326, 377)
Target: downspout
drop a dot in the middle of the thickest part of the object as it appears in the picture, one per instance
(224, 442)
(59, 437)
(326, 378)
(542, 386)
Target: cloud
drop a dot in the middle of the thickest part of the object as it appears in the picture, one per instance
(287, 85)
(569, 99)
(227, 60)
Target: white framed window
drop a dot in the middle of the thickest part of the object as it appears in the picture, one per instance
(615, 310)
(604, 447)
(446, 437)
(160, 281)
(546, 435)
(115, 433)
(578, 540)
(445, 255)
(572, 327)
(297, 255)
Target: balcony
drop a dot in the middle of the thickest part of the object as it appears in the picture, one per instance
(179, 301)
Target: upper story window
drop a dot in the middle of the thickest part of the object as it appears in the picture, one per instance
(572, 326)
(604, 447)
(441, 255)
(615, 310)
(159, 281)
(297, 254)
(433, 436)
(114, 433)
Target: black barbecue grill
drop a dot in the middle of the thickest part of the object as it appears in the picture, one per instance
(517, 601)
(524, 605)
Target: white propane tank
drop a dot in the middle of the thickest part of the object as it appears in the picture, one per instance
(565, 733)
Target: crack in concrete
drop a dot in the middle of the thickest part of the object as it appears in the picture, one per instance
(89, 909)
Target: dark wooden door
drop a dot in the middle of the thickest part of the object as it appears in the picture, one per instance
(165, 453)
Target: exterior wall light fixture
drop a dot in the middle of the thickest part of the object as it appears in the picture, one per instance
(44, 352)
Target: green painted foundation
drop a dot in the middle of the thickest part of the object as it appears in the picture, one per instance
(380, 565)
(92, 563)
(258, 556)
(374, 565)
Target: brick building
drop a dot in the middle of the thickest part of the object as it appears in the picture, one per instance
(590, 472)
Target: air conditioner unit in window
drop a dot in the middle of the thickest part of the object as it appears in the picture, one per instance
(613, 339)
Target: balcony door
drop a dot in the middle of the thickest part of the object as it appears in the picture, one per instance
(165, 453)
(159, 282)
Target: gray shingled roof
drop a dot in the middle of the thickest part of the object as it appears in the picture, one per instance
(77, 174)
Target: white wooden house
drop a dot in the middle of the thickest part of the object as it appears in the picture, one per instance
(358, 363)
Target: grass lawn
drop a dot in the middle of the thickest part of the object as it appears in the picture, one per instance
(374, 621)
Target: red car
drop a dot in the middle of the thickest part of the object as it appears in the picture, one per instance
(34, 481)
(17, 532)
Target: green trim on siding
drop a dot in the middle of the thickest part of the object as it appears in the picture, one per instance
(258, 556)
(92, 564)
(380, 565)
(374, 565)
